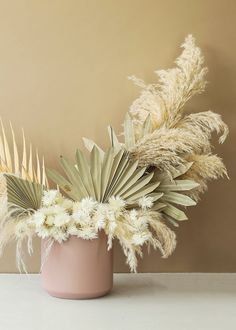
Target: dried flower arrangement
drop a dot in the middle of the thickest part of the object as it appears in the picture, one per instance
(132, 190)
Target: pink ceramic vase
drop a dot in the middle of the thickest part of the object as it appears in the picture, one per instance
(78, 268)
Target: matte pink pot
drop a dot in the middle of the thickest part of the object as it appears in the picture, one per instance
(78, 269)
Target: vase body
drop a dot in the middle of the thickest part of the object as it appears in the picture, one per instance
(78, 268)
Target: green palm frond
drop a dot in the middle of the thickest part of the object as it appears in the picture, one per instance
(22, 193)
(102, 177)
(175, 192)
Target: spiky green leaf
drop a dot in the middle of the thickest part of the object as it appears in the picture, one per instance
(174, 213)
(129, 132)
(179, 199)
(178, 185)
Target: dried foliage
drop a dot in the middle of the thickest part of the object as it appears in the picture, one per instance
(20, 163)
(165, 193)
(204, 168)
(101, 178)
(165, 100)
(17, 169)
(162, 135)
(130, 190)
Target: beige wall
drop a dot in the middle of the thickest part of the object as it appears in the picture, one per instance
(63, 68)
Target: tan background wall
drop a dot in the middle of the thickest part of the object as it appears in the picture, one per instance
(63, 68)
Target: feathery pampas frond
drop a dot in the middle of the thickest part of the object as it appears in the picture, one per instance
(165, 100)
(174, 139)
(167, 148)
(138, 228)
(164, 238)
(204, 168)
(203, 124)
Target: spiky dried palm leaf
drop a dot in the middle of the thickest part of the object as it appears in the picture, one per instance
(21, 166)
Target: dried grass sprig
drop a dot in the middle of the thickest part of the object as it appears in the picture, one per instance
(166, 149)
(173, 138)
(204, 168)
(203, 124)
(164, 238)
(165, 100)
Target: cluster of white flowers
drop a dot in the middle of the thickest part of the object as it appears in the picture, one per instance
(59, 218)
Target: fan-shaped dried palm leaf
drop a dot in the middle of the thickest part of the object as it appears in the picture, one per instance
(22, 198)
(22, 193)
(114, 175)
(19, 185)
(165, 194)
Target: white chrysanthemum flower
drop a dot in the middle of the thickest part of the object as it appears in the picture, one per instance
(101, 210)
(38, 218)
(50, 197)
(81, 217)
(67, 204)
(52, 210)
(133, 215)
(57, 209)
(59, 235)
(88, 204)
(72, 229)
(87, 233)
(145, 202)
(49, 220)
(116, 203)
(61, 219)
(43, 231)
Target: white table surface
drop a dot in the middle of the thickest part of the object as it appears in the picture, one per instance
(138, 301)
